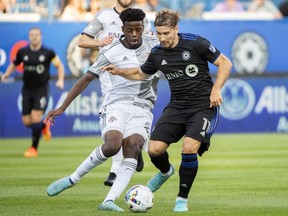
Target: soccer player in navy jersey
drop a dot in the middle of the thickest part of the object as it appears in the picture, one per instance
(36, 59)
(192, 112)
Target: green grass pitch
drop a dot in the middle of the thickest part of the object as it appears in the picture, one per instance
(242, 174)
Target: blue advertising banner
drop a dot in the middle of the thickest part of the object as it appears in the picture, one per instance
(250, 105)
(254, 105)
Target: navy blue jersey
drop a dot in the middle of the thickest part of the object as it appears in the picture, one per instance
(36, 66)
(186, 69)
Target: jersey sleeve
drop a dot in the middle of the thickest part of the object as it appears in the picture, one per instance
(147, 27)
(101, 61)
(18, 58)
(93, 28)
(149, 67)
(207, 50)
(52, 54)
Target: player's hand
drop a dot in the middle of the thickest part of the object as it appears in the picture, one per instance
(60, 84)
(3, 78)
(111, 69)
(50, 117)
(215, 97)
(107, 40)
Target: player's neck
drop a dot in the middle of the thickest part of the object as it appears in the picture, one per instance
(35, 47)
(175, 41)
(119, 8)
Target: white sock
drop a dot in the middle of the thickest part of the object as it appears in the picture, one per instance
(125, 173)
(116, 162)
(94, 159)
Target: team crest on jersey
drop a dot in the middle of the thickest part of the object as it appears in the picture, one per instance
(26, 58)
(186, 55)
(191, 70)
(41, 58)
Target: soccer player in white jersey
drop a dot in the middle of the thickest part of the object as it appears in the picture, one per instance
(105, 27)
(126, 115)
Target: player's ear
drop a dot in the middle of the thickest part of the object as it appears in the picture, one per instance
(177, 29)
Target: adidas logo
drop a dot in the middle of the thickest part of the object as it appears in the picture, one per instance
(113, 23)
(125, 58)
(163, 62)
(112, 119)
(202, 133)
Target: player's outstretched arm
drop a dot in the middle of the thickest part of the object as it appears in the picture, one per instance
(128, 73)
(87, 42)
(60, 70)
(77, 89)
(224, 67)
(10, 69)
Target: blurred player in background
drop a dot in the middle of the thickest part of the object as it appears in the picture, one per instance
(126, 116)
(36, 59)
(106, 26)
(192, 112)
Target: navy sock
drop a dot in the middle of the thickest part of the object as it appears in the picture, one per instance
(161, 162)
(36, 133)
(187, 173)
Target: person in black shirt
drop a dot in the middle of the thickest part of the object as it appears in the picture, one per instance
(193, 109)
(36, 60)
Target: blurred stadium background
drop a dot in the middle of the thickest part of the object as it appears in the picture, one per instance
(255, 97)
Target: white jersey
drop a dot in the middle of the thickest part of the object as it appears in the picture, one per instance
(118, 89)
(108, 23)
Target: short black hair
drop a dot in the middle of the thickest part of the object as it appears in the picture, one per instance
(132, 14)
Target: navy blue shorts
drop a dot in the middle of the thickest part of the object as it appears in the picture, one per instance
(34, 100)
(175, 123)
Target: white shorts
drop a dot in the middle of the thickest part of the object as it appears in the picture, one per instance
(128, 119)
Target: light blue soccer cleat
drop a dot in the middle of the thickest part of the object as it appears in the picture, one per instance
(59, 186)
(110, 206)
(157, 180)
(180, 206)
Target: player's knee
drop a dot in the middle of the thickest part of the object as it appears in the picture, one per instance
(110, 150)
(154, 151)
(135, 146)
(190, 149)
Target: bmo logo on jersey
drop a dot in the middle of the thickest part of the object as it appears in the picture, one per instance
(191, 71)
(174, 75)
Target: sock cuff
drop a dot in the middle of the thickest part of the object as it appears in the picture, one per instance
(130, 163)
(100, 152)
(189, 160)
(189, 156)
